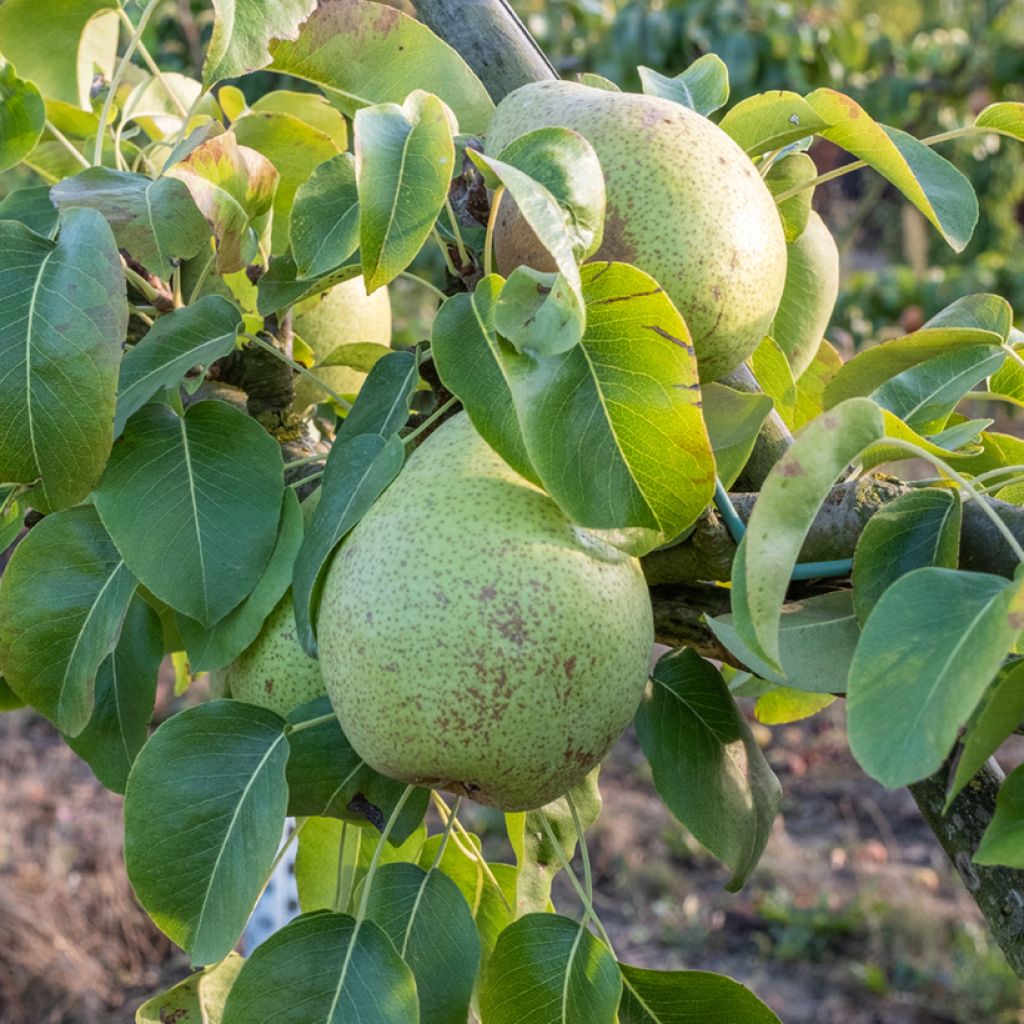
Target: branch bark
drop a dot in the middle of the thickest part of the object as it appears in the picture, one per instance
(504, 54)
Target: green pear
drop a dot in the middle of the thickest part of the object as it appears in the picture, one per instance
(345, 315)
(472, 639)
(812, 286)
(273, 671)
(685, 204)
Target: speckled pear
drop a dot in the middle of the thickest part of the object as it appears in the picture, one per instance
(345, 315)
(474, 640)
(273, 671)
(685, 204)
(812, 286)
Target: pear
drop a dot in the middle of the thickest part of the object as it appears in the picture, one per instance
(685, 204)
(473, 639)
(345, 315)
(812, 286)
(273, 671)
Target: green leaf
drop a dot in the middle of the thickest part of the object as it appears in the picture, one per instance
(703, 86)
(997, 716)
(198, 999)
(1008, 381)
(63, 319)
(243, 31)
(733, 419)
(12, 519)
(706, 763)
(62, 52)
(328, 779)
(22, 116)
(1003, 841)
(405, 156)
(310, 107)
(468, 359)
(688, 997)
(825, 622)
(358, 470)
(203, 817)
(786, 173)
(157, 222)
(361, 53)
(125, 694)
(789, 500)
(1006, 118)
(295, 149)
(916, 530)
(360, 355)
(771, 120)
(193, 335)
(811, 384)
(430, 924)
(154, 104)
(9, 700)
(32, 207)
(281, 285)
(324, 228)
(613, 427)
(193, 504)
(345, 970)
(233, 186)
(772, 371)
(598, 82)
(784, 705)
(540, 312)
(942, 635)
(219, 645)
(924, 395)
(62, 603)
(928, 180)
(382, 406)
(547, 969)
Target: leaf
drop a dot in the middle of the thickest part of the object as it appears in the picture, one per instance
(32, 207)
(613, 427)
(125, 694)
(942, 634)
(197, 334)
(707, 765)
(62, 52)
(233, 186)
(22, 117)
(429, 922)
(784, 705)
(1006, 118)
(688, 997)
(1003, 841)
(548, 969)
(733, 419)
(63, 599)
(346, 971)
(295, 149)
(327, 778)
(243, 31)
(825, 622)
(703, 86)
(198, 999)
(193, 504)
(382, 406)
(539, 312)
(772, 371)
(360, 355)
(916, 530)
(358, 470)
(203, 816)
(12, 519)
(468, 359)
(9, 700)
(789, 172)
(310, 107)
(362, 53)
(811, 384)
(63, 318)
(785, 510)
(156, 221)
(598, 82)
(281, 287)
(771, 120)
(997, 716)
(324, 227)
(928, 180)
(215, 647)
(1008, 381)
(924, 395)
(405, 156)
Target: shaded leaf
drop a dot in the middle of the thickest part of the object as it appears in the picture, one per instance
(22, 116)
(32, 207)
(281, 286)
(733, 419)
(1003, 841)
(784, 174)
(198, 999)
(703, 86)
(324, 226)
(539, 312)
(688, 997)
(772, 371)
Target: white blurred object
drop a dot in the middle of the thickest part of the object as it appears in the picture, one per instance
(279, 902)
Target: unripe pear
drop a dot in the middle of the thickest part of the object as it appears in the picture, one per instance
(273, 671)
(812, 286)
(345, 315)
(685, 204)
(472, 639)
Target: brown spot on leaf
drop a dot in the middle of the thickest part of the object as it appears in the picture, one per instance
(790, 467)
